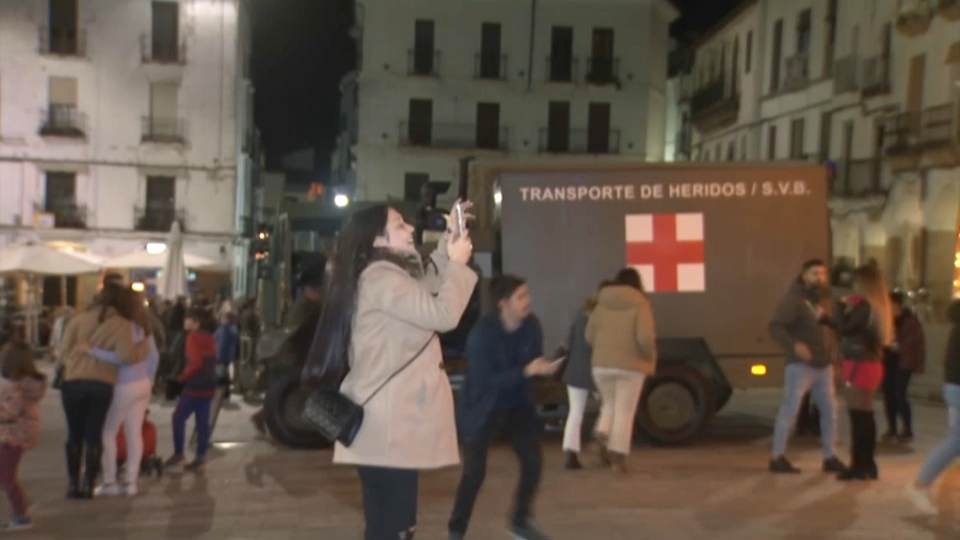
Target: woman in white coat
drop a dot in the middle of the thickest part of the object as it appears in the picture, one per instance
(382, 307)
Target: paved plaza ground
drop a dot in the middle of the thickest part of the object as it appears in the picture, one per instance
(717, 489)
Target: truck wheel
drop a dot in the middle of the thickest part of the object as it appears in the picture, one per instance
(282, 405)
(676, 405)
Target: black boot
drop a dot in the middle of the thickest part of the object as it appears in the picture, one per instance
(571, 461)
(91, 470)
(74, 453)
(853, 471)
(870, 446)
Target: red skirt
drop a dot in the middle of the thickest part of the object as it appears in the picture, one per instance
(863, 374)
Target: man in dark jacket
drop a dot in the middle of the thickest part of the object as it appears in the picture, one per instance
(803, 324)
(905, 357)
(504, 351)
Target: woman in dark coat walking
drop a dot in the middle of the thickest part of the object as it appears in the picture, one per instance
(578, 376)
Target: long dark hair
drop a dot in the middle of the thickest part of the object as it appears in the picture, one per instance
(629, 277)
(116, 296)
(327, 358)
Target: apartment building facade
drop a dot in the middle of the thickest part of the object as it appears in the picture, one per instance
(548, 79)
(120, 117)
(868, 88)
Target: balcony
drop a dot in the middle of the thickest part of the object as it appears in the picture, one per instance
(63, 41)
(857, 178)
(683, 143)
(453, 136)
(901, 138)
(939, 137)
(423, 63)
(845, 75)
(579, 141)
(66, 215)
(563, 69)
(797, 73)
(914, 17)
(685, 87)
(875, 76)
(949, 9)
(158, 219)
(63, 121)
(713, 107)
(490, 66)
(603, 70)
(163, 130)
(162, 51)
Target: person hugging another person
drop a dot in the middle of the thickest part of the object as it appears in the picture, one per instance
(21, 389)
(199, 380)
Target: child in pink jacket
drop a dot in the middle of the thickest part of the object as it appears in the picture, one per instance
(22, 387)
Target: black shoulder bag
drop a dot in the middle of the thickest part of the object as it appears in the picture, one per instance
(336, 416)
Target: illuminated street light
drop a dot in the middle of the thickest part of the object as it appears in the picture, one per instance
(341, 200)
(155, 248)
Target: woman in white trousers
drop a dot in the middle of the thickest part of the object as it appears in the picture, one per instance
(622, 334)
(131, 397)
(578, 377)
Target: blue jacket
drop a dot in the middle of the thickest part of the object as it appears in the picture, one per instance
(228, 341)
(490, 373)
(132, 372)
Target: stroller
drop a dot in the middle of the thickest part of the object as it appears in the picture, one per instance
(151, 462)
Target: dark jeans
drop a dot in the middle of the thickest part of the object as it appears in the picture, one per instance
(199, 407)
(9, 479)
(85, 404)
(895, 383)
(522, 428)
(389, 502)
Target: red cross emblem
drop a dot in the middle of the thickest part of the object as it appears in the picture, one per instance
(667, 251)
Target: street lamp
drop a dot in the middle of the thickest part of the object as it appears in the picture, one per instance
(341, 200)
(156, 248)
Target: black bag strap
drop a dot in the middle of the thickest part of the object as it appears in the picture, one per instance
(397, 372)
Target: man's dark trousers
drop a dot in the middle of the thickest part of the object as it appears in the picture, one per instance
(522, 428)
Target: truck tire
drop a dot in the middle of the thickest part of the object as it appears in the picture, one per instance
(282, 405)
(676, 405)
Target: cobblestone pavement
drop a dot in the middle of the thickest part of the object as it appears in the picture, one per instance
(717, 489)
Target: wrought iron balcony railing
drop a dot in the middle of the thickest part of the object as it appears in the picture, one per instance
(579, 141)
(158, 218)
(163, 130)
(875, 76)
(423, 62)
(63, 121)
(452, 136)
(490, 66)
(162, 51)
(63, 41)
(603, 70)
(562, 68)
(66, 214)
(857, 178)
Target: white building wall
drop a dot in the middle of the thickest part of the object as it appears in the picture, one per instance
(114, 93)
(637, 107)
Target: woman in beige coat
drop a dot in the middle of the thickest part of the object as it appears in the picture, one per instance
(621, 331)
(382, 307)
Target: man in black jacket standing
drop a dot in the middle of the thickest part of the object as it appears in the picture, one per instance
(504, 353)
(803, 324)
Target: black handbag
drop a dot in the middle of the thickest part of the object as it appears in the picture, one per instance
(336, 416)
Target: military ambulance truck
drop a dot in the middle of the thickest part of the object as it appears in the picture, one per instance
(716, 246)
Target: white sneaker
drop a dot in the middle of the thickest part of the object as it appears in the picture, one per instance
(129, 490)
(921, 499)
(106, 490)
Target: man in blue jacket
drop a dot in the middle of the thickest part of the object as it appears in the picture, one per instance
(504, 352)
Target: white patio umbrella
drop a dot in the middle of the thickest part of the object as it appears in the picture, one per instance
(173, 281)
(39, 259)
(143, 259)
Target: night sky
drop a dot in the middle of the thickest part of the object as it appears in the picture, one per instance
(301, 50)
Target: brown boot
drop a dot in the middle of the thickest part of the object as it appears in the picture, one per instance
(600, 449)
(571, 463)
(618, 463)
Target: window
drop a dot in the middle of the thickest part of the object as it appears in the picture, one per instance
(165, 32)
(62, 118)
(413, 185)
(796, 138)
(749, 55)
(719, 151)
(831, 37)
(162, 124)
(731, 150)
(772, 143)
(490, 60)
(803, 32)
(558, 126)
(63, 35)
(61, 191)
(561, 54)
(423, 48)
(743, 148)
(161, 192)
(776, 60)
(420, 126)
(488, 126)
(598, 128)
(602, 63)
